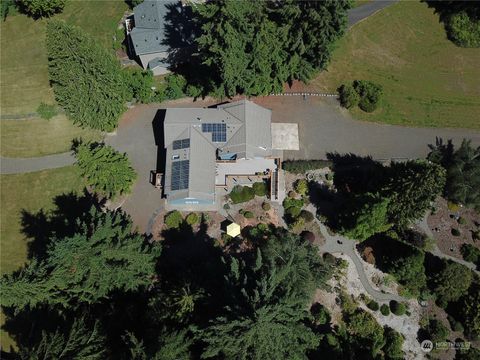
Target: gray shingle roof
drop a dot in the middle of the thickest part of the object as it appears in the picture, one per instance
(248, 135)
(148, 35)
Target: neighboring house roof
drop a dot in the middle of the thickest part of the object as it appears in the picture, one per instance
(148, 35)
(242, 127)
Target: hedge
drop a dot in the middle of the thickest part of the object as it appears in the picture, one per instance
(302, 166)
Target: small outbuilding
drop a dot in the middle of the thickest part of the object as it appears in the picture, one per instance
(233, 229)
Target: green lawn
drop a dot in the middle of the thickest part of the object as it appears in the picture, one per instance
(427, 80)
(31, 192)
(33, 137)
(24, 72)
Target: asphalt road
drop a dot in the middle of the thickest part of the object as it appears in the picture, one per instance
(360, 13)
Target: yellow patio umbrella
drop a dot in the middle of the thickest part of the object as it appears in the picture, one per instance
(233, 229)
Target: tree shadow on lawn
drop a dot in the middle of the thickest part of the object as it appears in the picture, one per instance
(63, 221)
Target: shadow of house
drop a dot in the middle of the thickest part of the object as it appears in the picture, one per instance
(158, 133)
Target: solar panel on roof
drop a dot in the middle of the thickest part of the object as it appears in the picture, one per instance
(219, 131)
(181, 144)
(180, 170)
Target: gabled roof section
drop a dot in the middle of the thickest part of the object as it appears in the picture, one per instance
(148, 35)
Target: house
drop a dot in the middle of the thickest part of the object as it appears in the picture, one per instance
(210, 150)
(147, 34)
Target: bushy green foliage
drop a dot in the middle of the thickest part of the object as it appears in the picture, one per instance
(320, 314)
(46, 111)
(240, 194)
(140, 83)
(105, 170)
(409, 271)
(260, 188)
(469, 312)
(254, 47)
(367, 220)
(266, 206)
(173, 219)
(86, 78)
(349, 97)
(301, 187)
(302, 166)
(41, 8)
(451, 282)
(470, 253)
(192, 218)
(385, 310)
(248, 215)
(373, 305)
(307, 216)
(464, 29)
(370, 94)
(175, 85)
(80, 341)
(437, 331)
(393, 344)
(365, 331)
(104, 255)
(6, 7)
(397, 308)
(412, 187)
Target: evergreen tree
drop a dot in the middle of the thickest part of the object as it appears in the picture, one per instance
(463, 176)
(393, 344)
(469, 311)
(451, 282)
(77, 343)
(86, 78)
(103, 257)
(410, 271)
(412, 187)
(106, 170)
(41, 8)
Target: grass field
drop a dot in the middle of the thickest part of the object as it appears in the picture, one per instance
(31, 192)
(33, 137)
(24, 72)
(427, 80)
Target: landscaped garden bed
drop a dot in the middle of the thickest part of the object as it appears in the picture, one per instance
(452, 226)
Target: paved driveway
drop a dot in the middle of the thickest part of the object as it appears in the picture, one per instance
(324, 127)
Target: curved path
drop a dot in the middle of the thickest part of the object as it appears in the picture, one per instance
(360, 13)
(339, 244)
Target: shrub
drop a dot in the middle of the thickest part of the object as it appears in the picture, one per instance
(173, 219)
(297, 224)
(302, 166)
(464, 30)
(266, 206)
(293, 211)
(453, 206)
(455, 232)
(260, 188)
(470, 253)
(462, 220)
(437, 331)
(370, 94)
(307, 216)
(385, 310)
(248, 214)
(454, 324)
(290, 202)
(46, 111)
(292, 194)
(240, 194)
(320, 314)
(226, 207)
(175, 85)
(140, 83)
(192, 219)
(301, 187)
(108, 172)
(41, 8)
(348, 96)
(373, 305)
(397, 308)
(308, 236)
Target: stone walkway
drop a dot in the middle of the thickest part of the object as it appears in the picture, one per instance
(25, 165)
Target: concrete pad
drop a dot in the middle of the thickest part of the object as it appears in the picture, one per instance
(285, 136)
